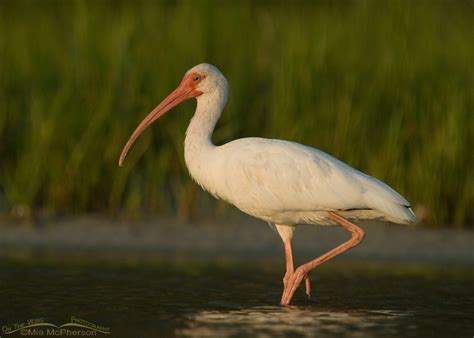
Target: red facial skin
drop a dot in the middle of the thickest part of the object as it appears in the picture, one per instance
(186, 90)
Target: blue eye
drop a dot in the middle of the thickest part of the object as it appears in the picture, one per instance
(197, 78)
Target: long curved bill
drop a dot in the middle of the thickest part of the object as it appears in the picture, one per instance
(179, 95)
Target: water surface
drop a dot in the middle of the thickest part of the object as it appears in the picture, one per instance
(238, 299)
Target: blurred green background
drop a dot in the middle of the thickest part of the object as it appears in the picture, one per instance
(386, 86)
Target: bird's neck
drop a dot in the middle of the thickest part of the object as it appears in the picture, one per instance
(198, 139)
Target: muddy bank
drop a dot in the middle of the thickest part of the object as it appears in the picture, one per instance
(239, 237)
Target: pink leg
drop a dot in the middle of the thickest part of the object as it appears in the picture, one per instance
(290, 270)
(302, 271)
(289, 266)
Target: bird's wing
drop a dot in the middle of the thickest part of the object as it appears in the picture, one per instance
(286, 176)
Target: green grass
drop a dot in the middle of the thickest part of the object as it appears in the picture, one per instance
(386, 86)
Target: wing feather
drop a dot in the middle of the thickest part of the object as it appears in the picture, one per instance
(284, 176)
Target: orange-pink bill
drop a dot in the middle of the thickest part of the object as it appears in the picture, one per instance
(185, 90)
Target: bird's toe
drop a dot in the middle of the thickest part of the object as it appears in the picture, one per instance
(308, 286)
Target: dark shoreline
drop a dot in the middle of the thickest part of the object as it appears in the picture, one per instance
(241, 237)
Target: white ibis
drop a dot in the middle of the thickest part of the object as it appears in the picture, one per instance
(281, 182)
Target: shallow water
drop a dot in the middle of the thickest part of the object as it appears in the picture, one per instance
(238, 299)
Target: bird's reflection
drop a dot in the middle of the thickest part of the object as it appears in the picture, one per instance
(273, 321)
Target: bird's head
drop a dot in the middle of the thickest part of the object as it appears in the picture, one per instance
(199, 82)
(205, 79)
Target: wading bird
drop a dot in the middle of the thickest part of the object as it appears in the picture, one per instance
(281, 182)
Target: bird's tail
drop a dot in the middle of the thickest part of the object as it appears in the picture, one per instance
(409, 216)
(379, 196)
(395, 212)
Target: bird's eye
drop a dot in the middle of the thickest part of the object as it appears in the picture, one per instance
(197, 78)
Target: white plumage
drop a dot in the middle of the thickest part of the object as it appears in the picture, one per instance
(281, 182)
(278, 181)
(288, 183)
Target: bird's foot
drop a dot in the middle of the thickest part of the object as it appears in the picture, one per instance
(291, 283)
(308, 286)
(286, 281)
